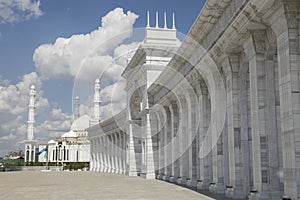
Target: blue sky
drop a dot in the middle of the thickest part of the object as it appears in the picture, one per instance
(40, 23)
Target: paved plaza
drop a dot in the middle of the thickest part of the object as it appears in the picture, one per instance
(88, 185)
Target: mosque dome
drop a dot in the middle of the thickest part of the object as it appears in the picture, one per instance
(81, 123)
(51, 142)
(70, 134)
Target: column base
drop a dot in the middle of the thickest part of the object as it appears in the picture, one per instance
(202, 185)
(285, 197)
(172, 179)
(192, 183)
(165, 177)
(150, 176)
(160, 176)
(132, 174)
(181, 180)
(255, 195)
(233, 193)
(217, 188)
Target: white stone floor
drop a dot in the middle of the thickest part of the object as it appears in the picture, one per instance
(88, 185)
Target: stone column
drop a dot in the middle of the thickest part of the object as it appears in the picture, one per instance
(172, 144)
(264, 136)
(176, 150)
(108, 154)
(236, 189)
(116, 152)
(286, 27)
(191, 138)
(101, 154)
(183, 150)
(112, 152)
(150, 171)
(255, 52)
(167, 144)
(198, 114)
(121, 151)
(132, 168)
(104, 154)
(119, 148)
(205, 160)
(160, 152)
(97, 155)
(124, 149)
(92, 155)
(245, 126)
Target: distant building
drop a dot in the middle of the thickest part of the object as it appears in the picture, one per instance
(13, 158)
(72, 146)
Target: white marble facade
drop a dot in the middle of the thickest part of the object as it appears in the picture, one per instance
(218, 112)
(72, 146)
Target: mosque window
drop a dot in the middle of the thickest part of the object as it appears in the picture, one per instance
(64, 152)
(27, 155)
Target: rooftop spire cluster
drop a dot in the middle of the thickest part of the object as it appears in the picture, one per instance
(157, 20)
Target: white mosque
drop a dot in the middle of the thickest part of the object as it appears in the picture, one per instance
(73, 146)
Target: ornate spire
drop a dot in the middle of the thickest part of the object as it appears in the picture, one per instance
(30, 142)
(76, 108)
(156, 26)
(31, 113)
(165, 20)
(148, 19)
(96, 117)
(173, 27)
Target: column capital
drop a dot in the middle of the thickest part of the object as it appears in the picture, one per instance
(230, 64)
(285, 16)
(255, 44)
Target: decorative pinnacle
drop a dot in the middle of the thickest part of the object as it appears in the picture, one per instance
(165, 20)
(32, 90)
(156, 26)
(173, 27)
(148, 19)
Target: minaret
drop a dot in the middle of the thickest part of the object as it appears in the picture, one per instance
(96, 116)
(76, 108)
(30, 142)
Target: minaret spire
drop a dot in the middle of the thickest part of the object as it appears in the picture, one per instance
(165, 20)
(31, 120)
(30, 143)
(76, 108)
(96, 117)
(156, 26)
(148, 19)
(173, 27)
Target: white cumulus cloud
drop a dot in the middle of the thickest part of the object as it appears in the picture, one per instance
(85, 57)
(14, 11)
(54, 126)
(102, 53)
